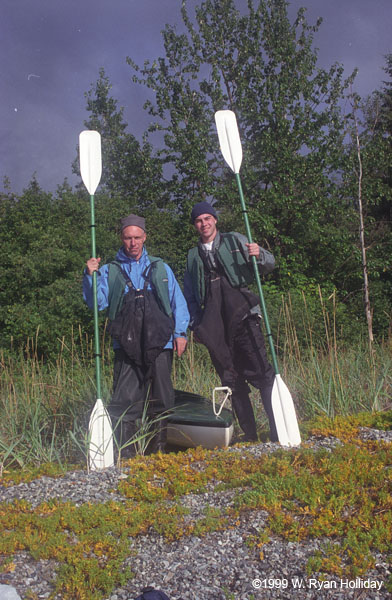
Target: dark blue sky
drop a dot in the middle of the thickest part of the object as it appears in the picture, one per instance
(52, 50)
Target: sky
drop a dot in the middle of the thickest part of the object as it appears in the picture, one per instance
(52, 50)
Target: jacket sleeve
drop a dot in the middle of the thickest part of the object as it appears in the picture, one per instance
(265, 261)
(102, 288)
(178, 305)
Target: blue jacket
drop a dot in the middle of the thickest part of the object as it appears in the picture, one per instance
(135, 270)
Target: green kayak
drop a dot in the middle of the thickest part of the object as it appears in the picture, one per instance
(194, 423)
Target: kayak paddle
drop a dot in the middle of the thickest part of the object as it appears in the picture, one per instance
(100, 429)
(282, 402)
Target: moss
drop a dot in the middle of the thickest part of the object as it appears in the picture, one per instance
(343, 495)
(29, 473)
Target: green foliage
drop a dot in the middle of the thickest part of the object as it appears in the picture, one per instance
(385, 122)
(130, 176)
(43, 241)
(337, 494)
(263, 67)
(44, 405)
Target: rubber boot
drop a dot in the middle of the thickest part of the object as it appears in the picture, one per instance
(266, 398)
(243, 410)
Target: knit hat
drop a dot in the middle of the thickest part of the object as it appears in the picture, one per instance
(202, 208)
(133, 220)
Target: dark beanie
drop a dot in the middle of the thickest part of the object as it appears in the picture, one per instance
(133, 220)
(202, 208)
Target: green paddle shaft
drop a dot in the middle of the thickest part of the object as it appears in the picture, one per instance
(95, 304)
(257, 277)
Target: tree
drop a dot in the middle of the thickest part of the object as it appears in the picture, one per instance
(130, 176)
(370, 183)
(385, 96)
(357, 143)
(263, 67)
(43, 241)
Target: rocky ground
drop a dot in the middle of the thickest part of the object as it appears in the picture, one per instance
(218, 566)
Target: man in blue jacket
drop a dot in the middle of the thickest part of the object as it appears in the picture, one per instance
(225, 315)
(141, 292)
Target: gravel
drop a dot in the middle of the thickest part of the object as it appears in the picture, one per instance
(217, 566)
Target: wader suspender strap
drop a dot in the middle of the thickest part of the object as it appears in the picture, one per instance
(116, 284)
(155, 274)
(128, 281)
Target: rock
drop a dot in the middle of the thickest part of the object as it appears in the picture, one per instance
(7, 592)
(216, 566)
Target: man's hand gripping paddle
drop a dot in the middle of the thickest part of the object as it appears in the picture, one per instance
(282, 402)
(100, 429)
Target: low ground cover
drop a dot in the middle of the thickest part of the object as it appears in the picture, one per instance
(343, 495)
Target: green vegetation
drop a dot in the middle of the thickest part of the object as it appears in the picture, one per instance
(343, 496)
(44, 406)
(302, 175)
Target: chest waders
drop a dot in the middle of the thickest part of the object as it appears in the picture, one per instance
(236, 345)
(140, 326)
(141, 369)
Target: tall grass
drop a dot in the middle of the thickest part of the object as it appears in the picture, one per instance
(42, 404)
(327, 375)
(44, 407)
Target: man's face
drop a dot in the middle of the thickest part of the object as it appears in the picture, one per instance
(206, 227)
(133, 239)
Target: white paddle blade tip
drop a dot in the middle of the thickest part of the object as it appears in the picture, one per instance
(101, 454)
(229, 138)
(90, 159)
(284, 414)
(278, 416)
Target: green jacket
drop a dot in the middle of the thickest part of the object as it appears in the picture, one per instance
(231, 253)
(156, 273)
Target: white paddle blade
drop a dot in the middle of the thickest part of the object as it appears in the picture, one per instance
(100, 438)
(229, 138)
(90, 159)
(284, 414)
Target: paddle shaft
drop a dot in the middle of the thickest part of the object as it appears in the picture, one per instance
(95, 303)
(257, 276)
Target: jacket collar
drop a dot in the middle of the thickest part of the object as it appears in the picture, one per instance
(215, 243)
(122, 257)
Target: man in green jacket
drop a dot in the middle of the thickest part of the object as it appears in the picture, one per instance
(225, 315)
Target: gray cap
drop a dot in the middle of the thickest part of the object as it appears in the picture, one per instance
(133, 220)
